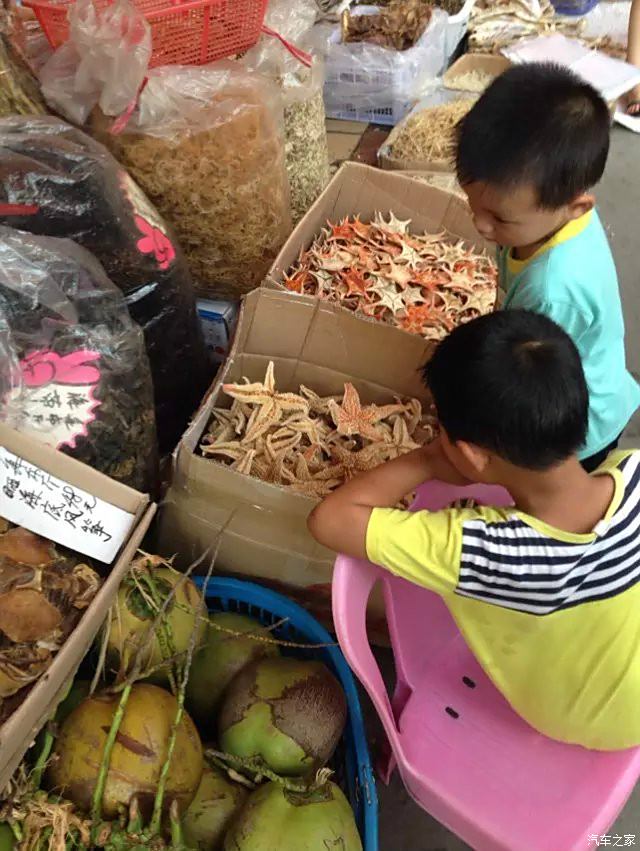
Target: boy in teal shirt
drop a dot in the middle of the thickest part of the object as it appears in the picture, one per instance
(529, 152)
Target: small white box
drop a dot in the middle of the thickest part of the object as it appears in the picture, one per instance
(218, 320)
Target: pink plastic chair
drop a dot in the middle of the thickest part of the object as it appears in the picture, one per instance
(463, 753)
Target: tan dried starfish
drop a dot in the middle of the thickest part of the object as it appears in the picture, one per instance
(351, 418)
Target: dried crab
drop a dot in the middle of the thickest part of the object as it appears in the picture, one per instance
(423, 283)
(308, 443)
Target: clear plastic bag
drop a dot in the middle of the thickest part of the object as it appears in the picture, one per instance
(207, 146)
(73, 369)
(372, 83)
(103, 63)
(81, 193)
(306, 146)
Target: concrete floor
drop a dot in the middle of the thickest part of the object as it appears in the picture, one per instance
(403, 826)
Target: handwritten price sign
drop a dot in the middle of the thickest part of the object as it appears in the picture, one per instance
(48, 506)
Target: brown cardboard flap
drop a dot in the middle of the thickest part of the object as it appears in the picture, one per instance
(482, 62)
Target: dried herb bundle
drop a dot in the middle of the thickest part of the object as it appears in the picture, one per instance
(423, 284)
(206, 145)
(43, 593)
(398, 25)
(429, 135)
(307, 443)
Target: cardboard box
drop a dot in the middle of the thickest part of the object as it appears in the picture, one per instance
(258, 529)
(21, 728)
(482, 62)
(364, 191)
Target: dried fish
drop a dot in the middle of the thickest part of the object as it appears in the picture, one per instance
(306, 151)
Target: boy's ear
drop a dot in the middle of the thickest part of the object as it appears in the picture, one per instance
(476, 457)
(581, 204)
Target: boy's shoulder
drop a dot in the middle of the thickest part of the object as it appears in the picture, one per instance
(575, 267)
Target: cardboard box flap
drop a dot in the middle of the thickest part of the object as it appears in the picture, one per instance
(364, 191)
(482, 62)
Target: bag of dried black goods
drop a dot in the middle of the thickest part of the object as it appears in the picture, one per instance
(74, 188)
(73, 370)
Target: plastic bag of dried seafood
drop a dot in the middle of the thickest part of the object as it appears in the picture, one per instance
(73, 188)
(301, 81)
(207, 146)
(73, 367)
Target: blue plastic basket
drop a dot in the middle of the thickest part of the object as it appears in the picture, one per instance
(351, 763)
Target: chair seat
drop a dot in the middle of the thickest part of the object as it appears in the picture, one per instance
(476, 766)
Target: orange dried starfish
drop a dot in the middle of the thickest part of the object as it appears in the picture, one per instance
(351, 418)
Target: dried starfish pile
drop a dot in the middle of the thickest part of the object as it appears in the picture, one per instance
(422, 283)
(308, 443)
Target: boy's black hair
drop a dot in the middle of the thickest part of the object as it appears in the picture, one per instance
(539, 124)
(511, 382)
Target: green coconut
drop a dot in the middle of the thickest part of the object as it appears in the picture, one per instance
(139, 752)
(150, 582)
(275, 819)
(287, 713)
(217, 801)
(222, 657)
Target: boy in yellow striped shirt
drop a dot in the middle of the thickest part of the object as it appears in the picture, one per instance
(546, 594)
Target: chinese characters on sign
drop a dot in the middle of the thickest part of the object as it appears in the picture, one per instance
(33, 498)
(54, 401)
(612, 840)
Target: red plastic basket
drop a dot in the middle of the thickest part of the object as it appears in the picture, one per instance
(183, 33)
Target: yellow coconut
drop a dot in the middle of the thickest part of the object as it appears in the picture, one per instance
(138, 754)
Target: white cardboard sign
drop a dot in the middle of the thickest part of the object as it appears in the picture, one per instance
(68, 515)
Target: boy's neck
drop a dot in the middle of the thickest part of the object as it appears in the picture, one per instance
(565, 497)
(524, 252)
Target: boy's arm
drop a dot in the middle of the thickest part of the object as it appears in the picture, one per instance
(340, 521)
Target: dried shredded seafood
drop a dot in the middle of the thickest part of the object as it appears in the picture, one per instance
(398, 25)
(429, 135)
(306, 151)
(496, 24)
(425, 284)
(470, 81)
(307, 443)
(207, 147)
(42, 595)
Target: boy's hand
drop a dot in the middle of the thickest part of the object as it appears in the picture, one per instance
(340, 521)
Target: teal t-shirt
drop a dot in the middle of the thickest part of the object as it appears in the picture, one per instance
(572, 279)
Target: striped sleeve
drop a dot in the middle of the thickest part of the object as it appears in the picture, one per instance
(423, 547)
